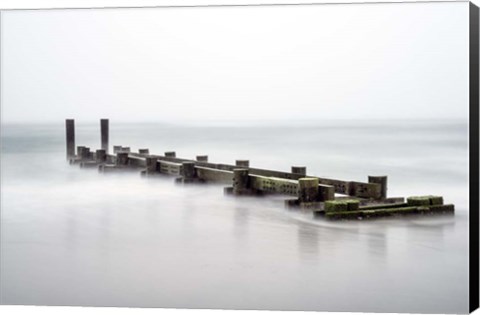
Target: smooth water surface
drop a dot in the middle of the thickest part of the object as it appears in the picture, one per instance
(71, 236)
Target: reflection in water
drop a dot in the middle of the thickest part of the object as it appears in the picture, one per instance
(377, 246)
(71, 230)
(308, 244)
(129, 241)
(240, 223)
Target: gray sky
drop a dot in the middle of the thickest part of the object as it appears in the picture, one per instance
(374, 61)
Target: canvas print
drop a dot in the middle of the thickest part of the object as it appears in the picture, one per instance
(271, 157)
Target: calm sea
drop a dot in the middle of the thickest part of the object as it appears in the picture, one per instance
(71, 236)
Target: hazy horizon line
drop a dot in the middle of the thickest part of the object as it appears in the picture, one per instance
(234, 121)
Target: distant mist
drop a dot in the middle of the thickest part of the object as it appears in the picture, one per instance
(376, 61)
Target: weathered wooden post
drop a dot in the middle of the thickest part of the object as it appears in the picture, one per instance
(202, 158)
(86, 154)
(308, 189)
(188, 170)
(242, 163)
(143, 151)
(70, 133)
(382, 180)
(326, 192)
(170, 154)
(122, 158)
(240, 181)
(104, 134)
(101, 156)
(301, 170)
(80, 150)
(151, 163)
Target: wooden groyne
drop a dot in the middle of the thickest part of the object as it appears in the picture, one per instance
(332, 199)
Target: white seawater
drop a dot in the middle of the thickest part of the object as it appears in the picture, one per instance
(72, 236)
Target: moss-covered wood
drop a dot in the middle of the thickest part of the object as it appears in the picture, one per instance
(240, 181)
(353, 204)
(308, 189)
(384, 206)
(386, 212)
(342, 205)
(274, 185)
(442, 208)
(336, 206)
(436, 200)
(418, 201)
(425, 200)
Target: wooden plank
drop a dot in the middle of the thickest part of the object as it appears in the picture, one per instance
(358, 189)
(341, 187)
(214, 175)
(274, 185)
(111, 159)
(366, 190)
(136, 161)
(170, 168)
(391, 211)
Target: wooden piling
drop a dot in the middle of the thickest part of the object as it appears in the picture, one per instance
(122, 158)
(104, 134)
(101, 156)
(240, 181)
(86, 154)
(83, 153)
(242, 163)
(382, 180)
(308, 189)
(80, 149)
(70, 137)
(188, 170)
(326, 192)
(302, 170)
(202, 158)
(313, 193)
(151, 163)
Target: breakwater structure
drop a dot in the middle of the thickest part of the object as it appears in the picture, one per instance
(331, 199)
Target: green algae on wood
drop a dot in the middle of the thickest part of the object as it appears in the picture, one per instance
(336, 206)
(384, 206)
(369, 213)
(352, 204)
(424, 200)
(436, 200)
(418, 201)
(386, 212)
(341, 205)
